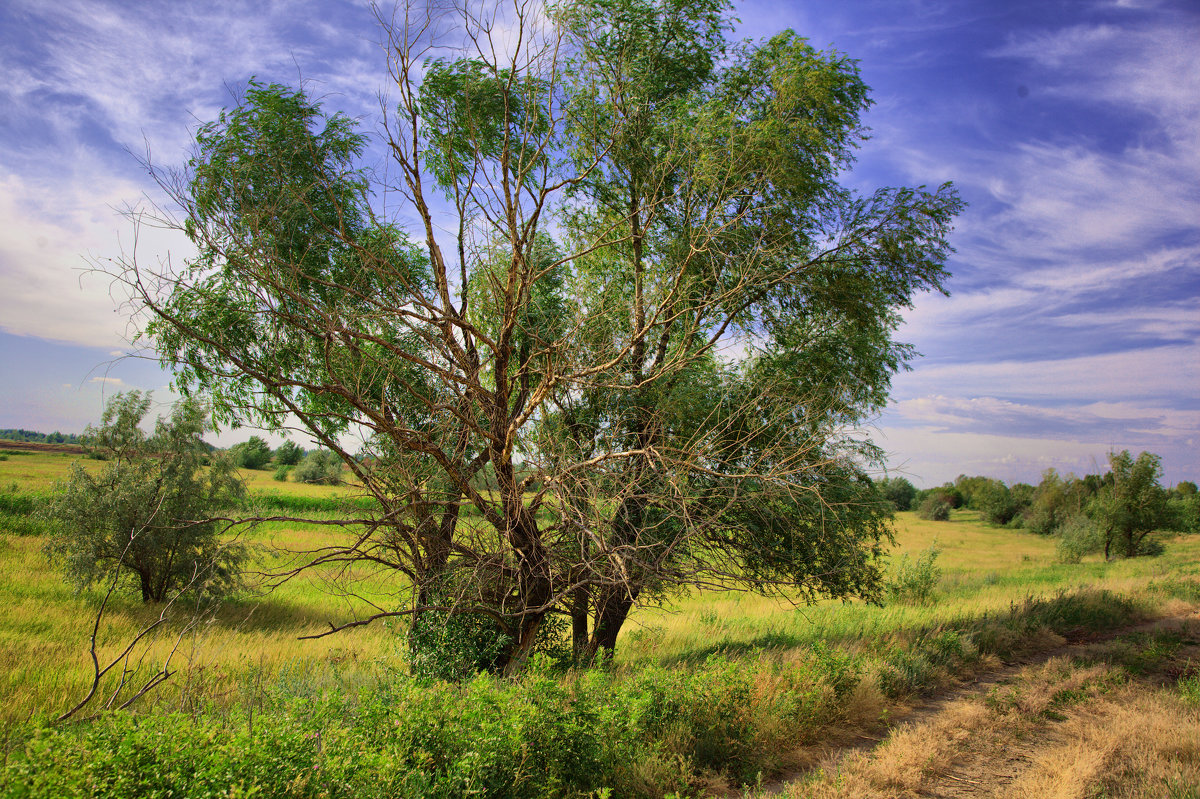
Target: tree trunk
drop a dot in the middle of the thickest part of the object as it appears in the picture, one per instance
(610, 617)
(579, 623)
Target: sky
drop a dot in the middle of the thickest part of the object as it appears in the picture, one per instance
(1072, 129)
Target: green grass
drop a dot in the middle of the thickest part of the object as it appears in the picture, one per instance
(732, 679)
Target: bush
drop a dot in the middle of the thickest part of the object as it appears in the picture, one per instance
(934, 508)
(281, 474)
(996, 503)
(915, 583)
(453, 646)
(321, 468)
(1079, 536)
(144, 514)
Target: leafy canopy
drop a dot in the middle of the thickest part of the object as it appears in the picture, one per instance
(632, 355)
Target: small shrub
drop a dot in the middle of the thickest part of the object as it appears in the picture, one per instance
(453, 646)
(148, 514)
(934, 508)
(1079, 537)
(281, 474)
(915, 583)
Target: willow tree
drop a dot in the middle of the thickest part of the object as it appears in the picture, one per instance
(613, 341)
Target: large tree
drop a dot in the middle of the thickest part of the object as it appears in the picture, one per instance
(617, 335)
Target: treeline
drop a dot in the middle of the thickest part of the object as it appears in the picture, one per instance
(289, 461)
(33, 436)
(1116, 512)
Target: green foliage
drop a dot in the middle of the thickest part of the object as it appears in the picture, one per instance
(995, 502)
(1189, 685)
(146, 514)
(252, 454)
(281, 474)
(20, 434)
(288, 453)
(1131, 505)
(320, 467)
(453, 646)
(555, 366)
(1183, 509)
(934, 508)
(915, 583)
(1078, 537)
(898, 491)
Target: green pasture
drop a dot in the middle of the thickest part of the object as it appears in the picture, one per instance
(45, 666)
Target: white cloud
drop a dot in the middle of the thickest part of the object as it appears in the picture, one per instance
(50, 238)
(1170, 372)
(114, 382)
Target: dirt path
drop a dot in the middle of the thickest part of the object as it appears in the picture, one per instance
(1059, 722)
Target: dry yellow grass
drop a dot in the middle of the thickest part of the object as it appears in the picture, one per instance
(1065, 729)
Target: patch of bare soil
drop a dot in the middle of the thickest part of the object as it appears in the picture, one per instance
(38, 446)
(1069, 722)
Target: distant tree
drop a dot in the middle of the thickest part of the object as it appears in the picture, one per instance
(1055, 500)
(288, 454)
(148, 512)
(968, 486)
(1132, 506)
(1184, 508)
(947, 494)
(321, 467)
(999, 504)
(252, 454)
(898, 491)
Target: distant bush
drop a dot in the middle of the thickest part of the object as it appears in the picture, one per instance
(898, 491)
(281, 474)
(934, 508)
(252, 454)
(914, 583)
(321, 468)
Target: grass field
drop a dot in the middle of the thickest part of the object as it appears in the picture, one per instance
(986, 574)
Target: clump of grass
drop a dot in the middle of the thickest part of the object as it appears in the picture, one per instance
(915, 582)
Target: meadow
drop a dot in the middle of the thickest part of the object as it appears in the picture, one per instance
(708, 691)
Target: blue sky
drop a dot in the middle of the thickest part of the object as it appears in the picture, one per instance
(1072, 128)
